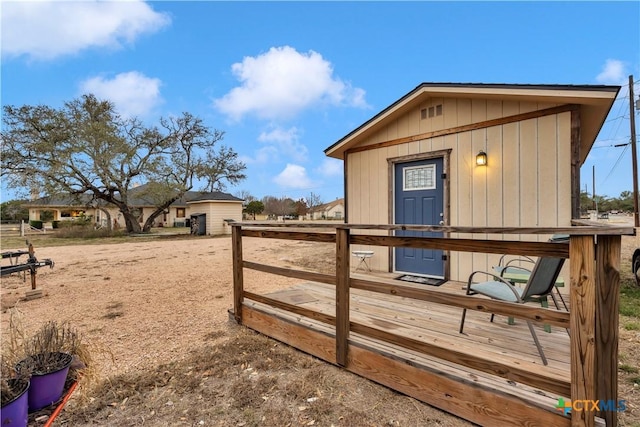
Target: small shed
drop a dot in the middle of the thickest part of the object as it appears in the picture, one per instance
(214, 208)
(481, 155)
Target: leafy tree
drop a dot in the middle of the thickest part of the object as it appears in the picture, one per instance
(585, 202)
(625, 201)
(300, 207)
(255, 207)
(13, 211)
(221, 167)
(85, 147)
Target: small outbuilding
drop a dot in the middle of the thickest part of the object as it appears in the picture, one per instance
(215, 210)
(481, 155)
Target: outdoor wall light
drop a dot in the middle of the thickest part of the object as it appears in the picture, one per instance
(481, 158)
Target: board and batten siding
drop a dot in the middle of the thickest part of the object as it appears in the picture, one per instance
(526, 183)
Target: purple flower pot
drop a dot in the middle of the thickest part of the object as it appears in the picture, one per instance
(47, 385)
(15, 413)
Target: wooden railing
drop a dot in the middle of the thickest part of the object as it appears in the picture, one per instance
(594, 288)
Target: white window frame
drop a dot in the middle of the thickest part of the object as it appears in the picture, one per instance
(431, 167)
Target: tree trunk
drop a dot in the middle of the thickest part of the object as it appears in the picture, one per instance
(149, 222)
(159, 211)
(131, 221)
(108, 215)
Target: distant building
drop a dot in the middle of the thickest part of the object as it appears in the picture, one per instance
(331, 210)
(220, 209)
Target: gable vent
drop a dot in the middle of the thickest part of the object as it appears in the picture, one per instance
(430, 112)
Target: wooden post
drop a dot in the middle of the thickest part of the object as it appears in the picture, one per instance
(607, 304)
(575, 164)
(32, 269)
(238, 279)
(342, 295)
(582, 323)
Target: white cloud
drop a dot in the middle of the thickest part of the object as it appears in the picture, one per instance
(294, 176)
(49, 29)
(286, 142)
(283, 82)
(262, 156)
(133, 93)
(613, 72)
(331, 167)
(279, 134)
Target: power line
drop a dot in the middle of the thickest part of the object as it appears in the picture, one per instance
(619, 114)
(615, 142)
(613, 168)
(624, 116)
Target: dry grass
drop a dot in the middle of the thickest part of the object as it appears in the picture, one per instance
(238, 377)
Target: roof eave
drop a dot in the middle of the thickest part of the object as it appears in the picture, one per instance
(596, 101)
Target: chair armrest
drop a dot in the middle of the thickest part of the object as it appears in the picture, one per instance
(514, 269)
(520, 258)
(523, 259)
(486, 273)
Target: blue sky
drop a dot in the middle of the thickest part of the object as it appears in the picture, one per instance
(285, 80)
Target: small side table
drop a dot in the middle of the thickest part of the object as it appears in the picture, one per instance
(362, 256)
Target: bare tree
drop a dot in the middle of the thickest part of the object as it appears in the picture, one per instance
(314, 200)
(85, 147)
(282, 206)
(245, 195)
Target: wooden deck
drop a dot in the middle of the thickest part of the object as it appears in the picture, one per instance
(435, 325)
(405, 335)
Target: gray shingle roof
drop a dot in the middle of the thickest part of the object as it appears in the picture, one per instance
(212, 196)
(137, 198)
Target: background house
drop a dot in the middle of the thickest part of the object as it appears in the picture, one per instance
(331, 210)
(216, 205)
(415, 163)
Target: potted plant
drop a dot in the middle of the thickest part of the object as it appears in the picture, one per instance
(13, 397)
(48, 356)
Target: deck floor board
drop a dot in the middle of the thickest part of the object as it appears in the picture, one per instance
(436, 323)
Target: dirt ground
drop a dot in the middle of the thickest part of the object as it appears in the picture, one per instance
(157, 310)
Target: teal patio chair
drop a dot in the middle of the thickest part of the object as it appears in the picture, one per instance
(540, 283)
(514, 271)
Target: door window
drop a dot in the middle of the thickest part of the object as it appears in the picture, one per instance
(419, 178)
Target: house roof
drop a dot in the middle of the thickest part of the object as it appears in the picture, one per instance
(595, 101)
(137, 198)
(215, 196)
(328, 206)
(63, 200)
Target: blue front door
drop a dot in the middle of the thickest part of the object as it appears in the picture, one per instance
(418, 199)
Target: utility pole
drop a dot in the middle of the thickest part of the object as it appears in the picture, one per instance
(634, 158)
